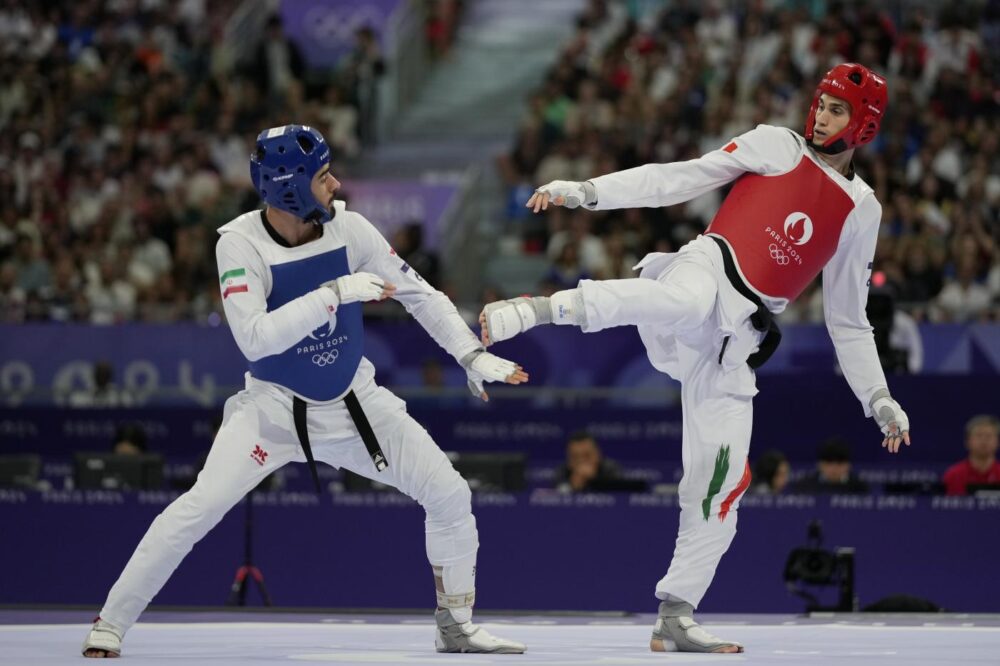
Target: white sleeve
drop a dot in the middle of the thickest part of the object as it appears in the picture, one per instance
(369, 251)
(764, 150)
(845, 295)
(260, 333)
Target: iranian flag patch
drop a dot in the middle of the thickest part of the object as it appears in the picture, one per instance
(234, 282)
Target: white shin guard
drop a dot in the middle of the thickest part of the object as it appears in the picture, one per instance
(505, 319)
(452, 551)
(455, 585)
(567, 308)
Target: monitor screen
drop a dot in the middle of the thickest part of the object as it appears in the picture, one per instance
(19, 471)
(112, 471)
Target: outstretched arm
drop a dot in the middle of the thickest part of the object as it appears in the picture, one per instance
(845, 295)
(765, 149)
(369, 251)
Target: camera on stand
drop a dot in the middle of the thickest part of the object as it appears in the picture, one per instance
(815, 566)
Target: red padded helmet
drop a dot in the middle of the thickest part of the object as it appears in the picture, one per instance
(868, 96)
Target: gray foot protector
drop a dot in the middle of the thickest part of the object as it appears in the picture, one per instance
(468, 637)
(676, 631)
(103, 636)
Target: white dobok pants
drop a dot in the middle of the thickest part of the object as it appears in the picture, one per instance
(261, 415)
(684, 308)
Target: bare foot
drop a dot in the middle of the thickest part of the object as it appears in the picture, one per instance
(100, 654)
(656, 645)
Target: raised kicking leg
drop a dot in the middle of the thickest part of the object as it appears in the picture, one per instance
(681, 298)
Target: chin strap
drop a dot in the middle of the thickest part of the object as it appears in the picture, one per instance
(835, 148)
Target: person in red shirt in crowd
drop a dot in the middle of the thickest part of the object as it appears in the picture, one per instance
(982, 437)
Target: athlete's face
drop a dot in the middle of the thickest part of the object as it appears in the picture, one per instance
(832, 115)
(325, 186)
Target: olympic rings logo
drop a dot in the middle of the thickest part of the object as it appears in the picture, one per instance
(325, 358)
(776, 253)
(326, 24)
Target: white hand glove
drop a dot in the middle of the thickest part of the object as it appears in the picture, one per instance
(357, 287)
(482, 366)
(573, 193)
(892, 420)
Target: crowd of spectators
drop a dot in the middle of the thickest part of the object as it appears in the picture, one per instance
(125, 131)
(675, 83)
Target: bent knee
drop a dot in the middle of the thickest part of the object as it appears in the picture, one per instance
(449, 500)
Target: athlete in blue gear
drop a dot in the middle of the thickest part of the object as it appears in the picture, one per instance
(293, 277)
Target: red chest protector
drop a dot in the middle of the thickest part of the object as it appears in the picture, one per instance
(783, 229)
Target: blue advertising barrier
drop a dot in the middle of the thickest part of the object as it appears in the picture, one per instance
(793, 413)
(538, 551)
(192, 361)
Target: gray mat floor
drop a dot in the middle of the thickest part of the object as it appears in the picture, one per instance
(48, 638)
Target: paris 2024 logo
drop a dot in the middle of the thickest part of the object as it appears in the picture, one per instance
(798, 229)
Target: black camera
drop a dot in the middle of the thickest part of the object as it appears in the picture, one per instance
(816, 566)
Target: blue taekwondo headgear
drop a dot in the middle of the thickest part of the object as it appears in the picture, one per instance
(282, 167)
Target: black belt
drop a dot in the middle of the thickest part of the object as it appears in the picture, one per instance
(360, 422)
(365, 430)
(762, 319)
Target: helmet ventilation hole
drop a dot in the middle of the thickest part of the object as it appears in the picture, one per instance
(305, 143)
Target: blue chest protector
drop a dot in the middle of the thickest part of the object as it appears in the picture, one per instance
(321, 365)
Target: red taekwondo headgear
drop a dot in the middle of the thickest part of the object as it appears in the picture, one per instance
(868, 96)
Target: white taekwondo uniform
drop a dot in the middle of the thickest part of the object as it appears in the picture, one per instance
(271, 298)
(788, 216)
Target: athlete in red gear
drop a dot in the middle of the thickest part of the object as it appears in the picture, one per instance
(705, 313)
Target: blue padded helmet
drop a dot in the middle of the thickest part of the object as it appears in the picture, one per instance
(282, 167)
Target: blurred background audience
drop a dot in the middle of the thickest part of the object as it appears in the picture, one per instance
(982, 437)
(833, 471)
(120, 161)
(586, 468)
(108, 206)
(770, 473)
